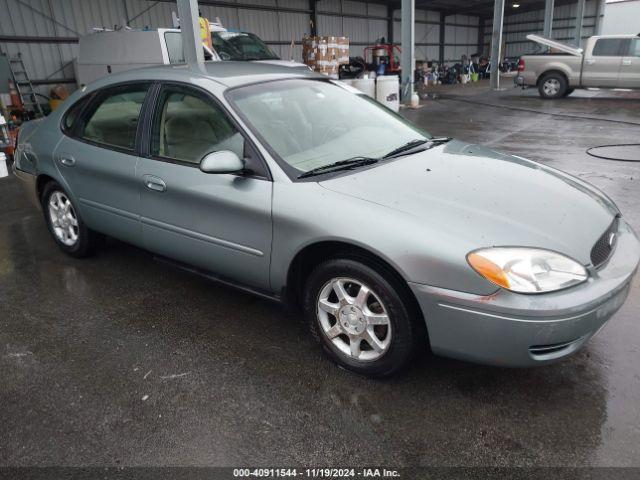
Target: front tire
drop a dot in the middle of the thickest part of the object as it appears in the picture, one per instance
(360, 317)
(65, 224)
(552, 85)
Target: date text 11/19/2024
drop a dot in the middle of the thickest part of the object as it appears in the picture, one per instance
(315, 473)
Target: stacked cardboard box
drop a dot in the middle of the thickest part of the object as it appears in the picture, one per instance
(325, 54)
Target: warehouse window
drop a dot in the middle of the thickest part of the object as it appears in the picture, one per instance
(188, 126)
(610, 47)
(114, 117)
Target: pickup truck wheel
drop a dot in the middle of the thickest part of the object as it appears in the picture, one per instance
(359, 317)
(552, 85)
(65, 224)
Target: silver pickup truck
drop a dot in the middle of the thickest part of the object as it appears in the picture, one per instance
(607, 61)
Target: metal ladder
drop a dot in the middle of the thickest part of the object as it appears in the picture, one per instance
(23, 85)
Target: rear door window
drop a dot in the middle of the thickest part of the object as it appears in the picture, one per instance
(610, 47)
(113, 119)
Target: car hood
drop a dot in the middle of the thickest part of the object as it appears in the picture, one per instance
(487, 198)
(284, 63)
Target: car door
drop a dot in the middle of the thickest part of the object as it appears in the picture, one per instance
(218, 222)
(601, 67)
(630, 68)
(97, 159)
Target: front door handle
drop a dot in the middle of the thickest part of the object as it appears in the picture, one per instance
(626, 62)
(67, 160)
(154, 183)
(590, 61)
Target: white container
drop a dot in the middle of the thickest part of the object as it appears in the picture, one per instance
(415, 100)
(3, 166)
(349, 81)
(366, 85)
(388, 91)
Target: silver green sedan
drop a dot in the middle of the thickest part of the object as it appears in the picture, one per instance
(299, 189)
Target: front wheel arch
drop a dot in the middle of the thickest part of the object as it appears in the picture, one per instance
(307, 259)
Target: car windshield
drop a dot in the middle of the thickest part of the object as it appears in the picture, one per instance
(241, 46)
(309, 124)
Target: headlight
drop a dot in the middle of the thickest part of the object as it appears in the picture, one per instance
(527, 270)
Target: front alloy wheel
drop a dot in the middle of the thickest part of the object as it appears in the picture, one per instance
(354, 319)
(362, 315)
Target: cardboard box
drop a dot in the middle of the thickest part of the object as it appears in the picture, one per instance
(325, 54)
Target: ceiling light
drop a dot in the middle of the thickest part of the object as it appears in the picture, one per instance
(516, 5)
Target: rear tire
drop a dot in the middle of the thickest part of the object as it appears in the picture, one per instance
(68, 230)
(371, 332)
(552, 85)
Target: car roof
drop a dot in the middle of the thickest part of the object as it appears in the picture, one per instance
(228, 74)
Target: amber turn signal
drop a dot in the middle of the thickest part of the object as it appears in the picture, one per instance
(488, 269)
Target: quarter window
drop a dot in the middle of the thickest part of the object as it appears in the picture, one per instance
(114, 121)
(635, 48)
(72, 114)
(187, 126)
(610, 47)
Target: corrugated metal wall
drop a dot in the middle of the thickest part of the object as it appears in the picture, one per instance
(517, 27)
(72, 18)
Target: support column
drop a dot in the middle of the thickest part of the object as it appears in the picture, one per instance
(599, 17)
(313, 18)
(190, 28)
(480, 36)
(496, 43)
(390, 11)
(407, 59)
(579, 21)
(548, 18)
(442, 38)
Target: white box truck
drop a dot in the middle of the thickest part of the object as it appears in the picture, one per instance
(110, 51)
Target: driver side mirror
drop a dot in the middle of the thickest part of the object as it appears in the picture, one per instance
(224, 161)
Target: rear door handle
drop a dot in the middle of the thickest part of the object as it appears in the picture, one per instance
(67, 160)
(626, 62)
(154, 183)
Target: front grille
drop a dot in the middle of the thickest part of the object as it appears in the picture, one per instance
(605, 244)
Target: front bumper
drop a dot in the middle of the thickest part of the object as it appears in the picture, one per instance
(518, 330)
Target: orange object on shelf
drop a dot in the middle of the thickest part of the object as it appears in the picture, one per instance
(13, 139)
(16, 101)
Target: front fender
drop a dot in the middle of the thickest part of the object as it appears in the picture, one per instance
(305, 213)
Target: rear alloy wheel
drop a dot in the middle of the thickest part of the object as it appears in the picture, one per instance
(63, 218)
(67, 228)
(552, 85)
(360, 317)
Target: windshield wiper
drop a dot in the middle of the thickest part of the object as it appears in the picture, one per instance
(413, 144)
(347, 164)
